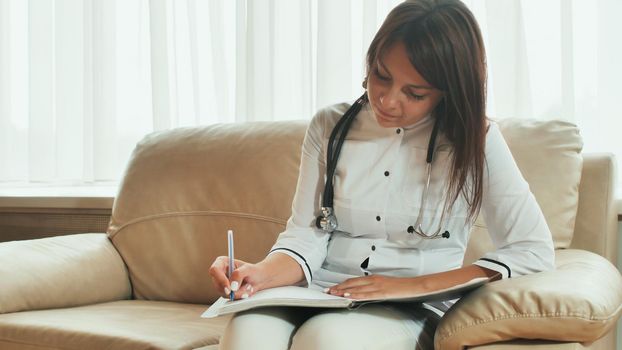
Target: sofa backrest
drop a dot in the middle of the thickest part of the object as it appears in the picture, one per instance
(548, 154)
(184, 188)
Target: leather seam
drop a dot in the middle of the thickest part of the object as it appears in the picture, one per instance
(31, 344)
(533, 315)
(112, 233)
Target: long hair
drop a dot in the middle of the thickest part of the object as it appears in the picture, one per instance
(444, 44)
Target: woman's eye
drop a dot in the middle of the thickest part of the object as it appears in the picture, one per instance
(380, 76)
(415, 96)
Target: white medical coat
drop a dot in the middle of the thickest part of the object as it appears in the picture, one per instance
(378, 184)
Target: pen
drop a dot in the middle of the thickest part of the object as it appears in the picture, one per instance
(231, 263)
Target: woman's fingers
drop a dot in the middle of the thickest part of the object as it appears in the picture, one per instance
(218, 273)
(357, 291)
(353, 282)
(367, 295)
(360, 287)
(243, 281)
(245, 291)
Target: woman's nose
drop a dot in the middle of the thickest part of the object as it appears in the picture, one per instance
(389, 100)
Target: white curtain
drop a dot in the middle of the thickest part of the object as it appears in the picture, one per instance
(81, 81)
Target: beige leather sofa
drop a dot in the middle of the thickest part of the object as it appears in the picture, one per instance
(144, 284)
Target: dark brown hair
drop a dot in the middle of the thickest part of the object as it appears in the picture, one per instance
(444, 44)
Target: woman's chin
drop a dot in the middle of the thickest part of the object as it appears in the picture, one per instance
(386, 123)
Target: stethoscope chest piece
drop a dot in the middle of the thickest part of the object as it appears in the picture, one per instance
(327, 221)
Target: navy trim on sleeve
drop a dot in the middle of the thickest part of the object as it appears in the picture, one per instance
(300, 256)
(499, 263)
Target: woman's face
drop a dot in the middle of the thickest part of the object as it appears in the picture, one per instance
(398, 94)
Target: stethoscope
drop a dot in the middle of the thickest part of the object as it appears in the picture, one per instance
(328, 221)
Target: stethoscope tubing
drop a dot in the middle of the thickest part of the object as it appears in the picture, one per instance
(328, 221)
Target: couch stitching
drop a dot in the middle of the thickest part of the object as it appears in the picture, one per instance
(195, 213)
(534, 315)
(30, 344)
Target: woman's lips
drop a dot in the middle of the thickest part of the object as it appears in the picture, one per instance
(385, 116)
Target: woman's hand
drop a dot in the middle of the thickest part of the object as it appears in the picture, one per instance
(380, 287)
(245, 280)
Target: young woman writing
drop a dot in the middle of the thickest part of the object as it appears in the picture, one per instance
(389, 188)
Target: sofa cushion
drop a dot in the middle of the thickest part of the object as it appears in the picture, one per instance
(548, 155)
(578, 302)
(184, 188)
(127, 324)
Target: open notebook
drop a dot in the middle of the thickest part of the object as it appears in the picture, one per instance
(313, 296)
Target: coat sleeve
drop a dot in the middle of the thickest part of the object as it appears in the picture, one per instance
(301, 240)
(515, 222)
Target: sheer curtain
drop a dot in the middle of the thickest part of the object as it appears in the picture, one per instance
(81, 81)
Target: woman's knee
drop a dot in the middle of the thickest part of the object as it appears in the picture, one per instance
(323, 331)
(265, 328)
(372, 327)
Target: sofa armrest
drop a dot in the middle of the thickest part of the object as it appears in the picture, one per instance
(580, 301)
(59, 272)
(596, 224)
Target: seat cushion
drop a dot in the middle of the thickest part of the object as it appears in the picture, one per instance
(127, 324)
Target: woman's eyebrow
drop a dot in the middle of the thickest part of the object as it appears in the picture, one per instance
(414, 86)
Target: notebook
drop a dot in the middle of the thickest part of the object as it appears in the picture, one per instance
(313, 296)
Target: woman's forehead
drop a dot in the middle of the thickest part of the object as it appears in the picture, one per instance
(394, 58)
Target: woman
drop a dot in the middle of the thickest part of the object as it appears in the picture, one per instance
(393, 235)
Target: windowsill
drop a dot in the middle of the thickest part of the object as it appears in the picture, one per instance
(90, 197)
(84, 197)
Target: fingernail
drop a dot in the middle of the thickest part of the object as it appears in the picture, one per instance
(245, 295)
(234, 286)
(346, 294)
(252, 289)
(248, 287)
(227, 291)
(326, 290)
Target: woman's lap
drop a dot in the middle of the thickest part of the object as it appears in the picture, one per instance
(373, 326)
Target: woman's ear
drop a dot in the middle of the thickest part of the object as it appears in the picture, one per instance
(364, 83)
